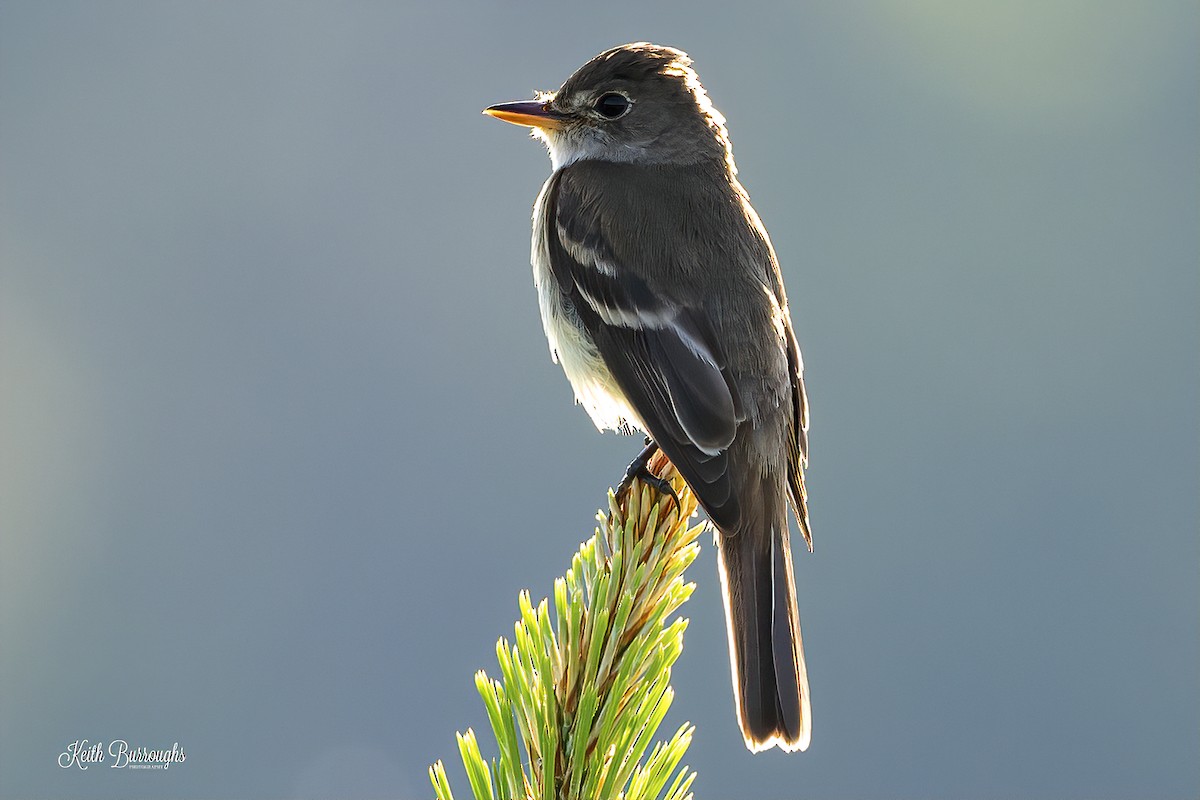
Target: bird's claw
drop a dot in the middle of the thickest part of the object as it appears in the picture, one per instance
(639, 468)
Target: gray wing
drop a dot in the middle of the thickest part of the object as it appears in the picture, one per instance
(662, 351)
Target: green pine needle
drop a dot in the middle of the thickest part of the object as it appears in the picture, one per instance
(583, 690)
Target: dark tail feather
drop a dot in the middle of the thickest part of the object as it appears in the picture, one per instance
(770, 682)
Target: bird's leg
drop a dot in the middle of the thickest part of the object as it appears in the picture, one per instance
(639, 468)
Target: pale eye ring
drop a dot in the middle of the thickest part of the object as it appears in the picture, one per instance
(612, 105)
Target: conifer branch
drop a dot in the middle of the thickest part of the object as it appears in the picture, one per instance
(583, 690)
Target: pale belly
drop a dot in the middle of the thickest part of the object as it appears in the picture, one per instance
(570, 346)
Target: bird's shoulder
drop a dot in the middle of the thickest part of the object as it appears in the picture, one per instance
(679, 227)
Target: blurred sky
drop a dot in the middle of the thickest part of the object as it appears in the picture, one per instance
(280, 438)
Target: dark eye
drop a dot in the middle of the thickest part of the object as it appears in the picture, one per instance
(612, 105)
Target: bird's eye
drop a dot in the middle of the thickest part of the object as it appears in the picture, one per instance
(612, 105)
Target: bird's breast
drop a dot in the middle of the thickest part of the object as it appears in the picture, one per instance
(571, 346)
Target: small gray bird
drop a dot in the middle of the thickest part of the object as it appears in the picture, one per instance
(662, 299)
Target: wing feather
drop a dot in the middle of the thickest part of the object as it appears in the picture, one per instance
(661, 351)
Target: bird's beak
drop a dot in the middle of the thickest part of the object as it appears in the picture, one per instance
(533, 113)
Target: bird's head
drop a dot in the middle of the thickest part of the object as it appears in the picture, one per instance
(637, 103)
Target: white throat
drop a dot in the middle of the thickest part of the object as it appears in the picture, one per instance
(566, 149)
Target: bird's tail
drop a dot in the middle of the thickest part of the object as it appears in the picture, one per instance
(770, 682)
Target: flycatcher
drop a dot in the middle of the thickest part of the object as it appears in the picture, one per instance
(662, 299)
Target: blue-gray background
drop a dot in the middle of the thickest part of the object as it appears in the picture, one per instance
(281, 440)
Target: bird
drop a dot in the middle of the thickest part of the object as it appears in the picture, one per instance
(662, 299)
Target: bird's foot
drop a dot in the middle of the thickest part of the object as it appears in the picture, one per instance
(639, 468)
